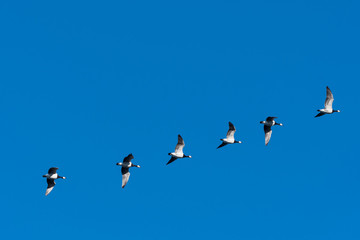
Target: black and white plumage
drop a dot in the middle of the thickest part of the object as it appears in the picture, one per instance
(178, 151)
(125, 165)
(328, 104)
(50, 179)
(268, 123)
(230, 139)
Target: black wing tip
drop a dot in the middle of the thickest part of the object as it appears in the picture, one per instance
(171, 160)
(221, 145)
(270, 118)
(180, 139)
(129, 157)
(52, 170)
(320, 114)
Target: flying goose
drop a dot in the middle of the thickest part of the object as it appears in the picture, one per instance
(178, 151)
(125, 165)
(268, 123)
(229, 136)
(50, 178)
(328, 104)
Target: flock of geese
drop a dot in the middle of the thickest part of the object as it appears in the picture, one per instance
(52, 175)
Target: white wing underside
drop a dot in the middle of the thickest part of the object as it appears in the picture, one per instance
(329, 100)
(230, 135)
(267, 137)
(48, 190)
(179, 149)
(125, 179)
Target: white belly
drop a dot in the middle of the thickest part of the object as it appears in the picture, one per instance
(229, 140)
(178, 155)
(326, 110)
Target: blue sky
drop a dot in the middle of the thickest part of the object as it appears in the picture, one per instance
(85, 83)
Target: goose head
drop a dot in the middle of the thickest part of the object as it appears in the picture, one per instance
(119, 164)
(262, 122)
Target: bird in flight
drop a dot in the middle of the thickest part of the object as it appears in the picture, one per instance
(50, 178)
(268, 123)
(178, 151)
(125, 165)
(229, 136)
(328, 104)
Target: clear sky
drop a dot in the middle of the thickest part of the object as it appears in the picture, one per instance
(85, 83)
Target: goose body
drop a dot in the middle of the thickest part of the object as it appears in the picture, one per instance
(50, 179)
(230, 139)
(328, 109)
(125, 165)
(268, 123)
(178, 151)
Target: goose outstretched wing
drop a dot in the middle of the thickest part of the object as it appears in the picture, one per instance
(125, 176)
(171, 160)
(128, 158)
(51, 185)
(222, 144)
(269, 119)
(268, 133)
(329, 99)
(180, 145)
(320, 114)
(52, 170)
(231, 131)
